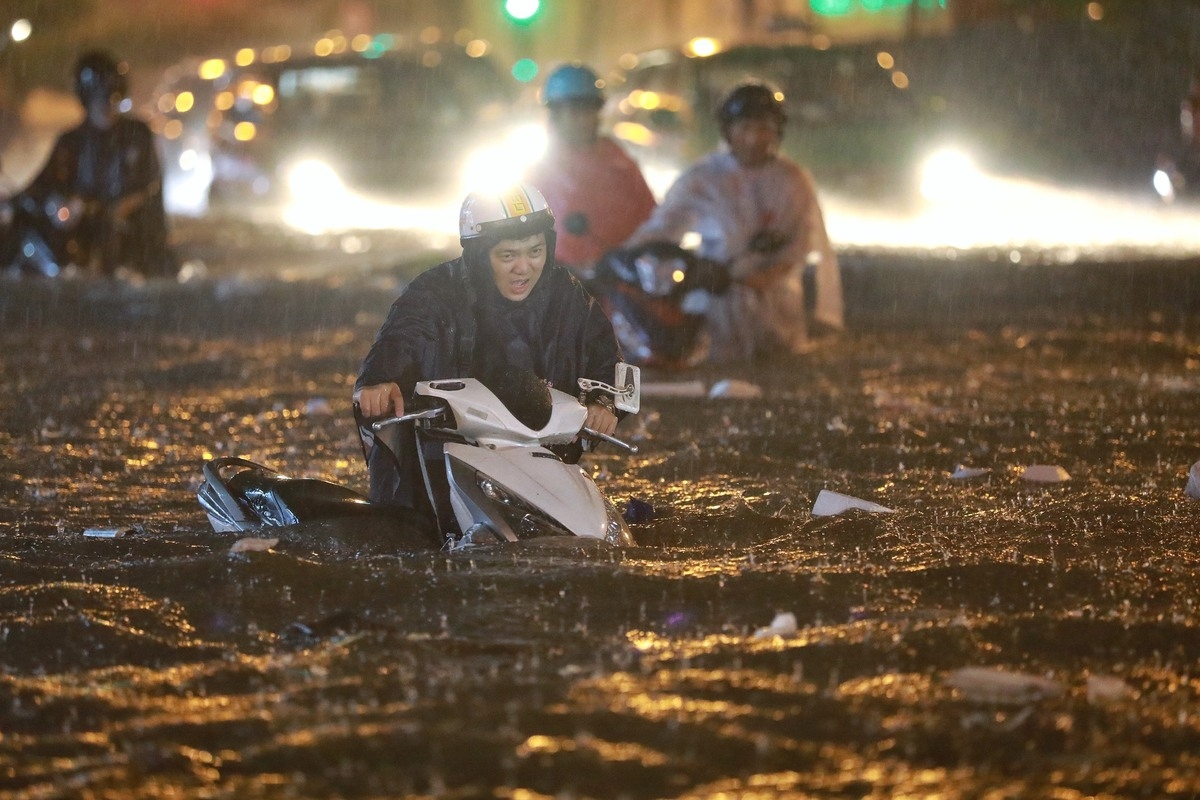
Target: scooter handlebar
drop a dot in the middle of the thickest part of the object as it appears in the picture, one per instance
(432, 413)
(631, 448)
(429, 413)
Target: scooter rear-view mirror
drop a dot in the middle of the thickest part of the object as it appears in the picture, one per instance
(628, 382)
(626, 390)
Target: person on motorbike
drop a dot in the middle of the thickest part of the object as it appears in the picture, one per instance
(596, 189)
(97, 203)
(503, 306)
(757, 212)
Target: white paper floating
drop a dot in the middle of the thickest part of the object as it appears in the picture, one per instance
(784, 624)
(962, 473)
(733, 389)
(253, 544)
(999, 687)
(830, 504)
(105, 533)
(1045, 473)
(1193, 485)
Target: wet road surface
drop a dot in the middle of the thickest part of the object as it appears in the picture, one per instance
(339, 664)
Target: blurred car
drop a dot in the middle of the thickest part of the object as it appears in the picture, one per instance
(284, 132)
(854, 121)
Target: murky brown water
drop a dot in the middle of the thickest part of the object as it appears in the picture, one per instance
(161, 665)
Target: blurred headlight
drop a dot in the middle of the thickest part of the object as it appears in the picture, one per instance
(505, 161)
(314, 181)
(948, 174)
(1164, 185)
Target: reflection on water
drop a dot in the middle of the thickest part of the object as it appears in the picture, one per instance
(160, 664)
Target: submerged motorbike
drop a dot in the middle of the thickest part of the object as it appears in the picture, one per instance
(47, 235)
(656, 296)
(499, 475)
(37, 237)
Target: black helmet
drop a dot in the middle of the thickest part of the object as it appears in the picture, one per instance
(98, 74)
(750, 100)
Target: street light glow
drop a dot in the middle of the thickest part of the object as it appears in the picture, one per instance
(20, 30)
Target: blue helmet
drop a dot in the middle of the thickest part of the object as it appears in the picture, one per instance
(572, 83)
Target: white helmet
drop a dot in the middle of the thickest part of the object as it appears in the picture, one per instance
(517, 212)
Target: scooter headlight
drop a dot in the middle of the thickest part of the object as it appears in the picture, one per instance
(495, 492)
(525, 520)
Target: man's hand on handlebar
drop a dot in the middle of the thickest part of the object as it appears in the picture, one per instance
(380, 399)
(600, 419)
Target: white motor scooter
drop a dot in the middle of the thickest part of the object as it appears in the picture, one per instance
(504, 482)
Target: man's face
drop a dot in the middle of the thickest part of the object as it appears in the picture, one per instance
(575, 124)
(754, 140)
(517, 264)
(102, 110)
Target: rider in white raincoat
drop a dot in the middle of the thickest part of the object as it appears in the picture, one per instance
(758, 213)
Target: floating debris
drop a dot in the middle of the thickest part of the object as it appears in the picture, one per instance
(1108, 688)
(1045, 473)
(784, 624)
(999, 687)
(105, 533)
(1193, 485)
(638, 511)
(962, 473)
(830, 504)
(733, 389)
(339, 623)
(253, 544)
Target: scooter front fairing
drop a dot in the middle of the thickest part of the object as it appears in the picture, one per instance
(528, 492)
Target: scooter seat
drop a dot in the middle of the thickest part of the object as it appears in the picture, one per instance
(274, 495)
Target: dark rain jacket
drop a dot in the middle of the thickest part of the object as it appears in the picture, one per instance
(103, 166)
(452, 322)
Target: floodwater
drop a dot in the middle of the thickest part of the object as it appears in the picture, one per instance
(160, 664)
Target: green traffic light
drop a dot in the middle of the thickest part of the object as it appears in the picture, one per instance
(841, 8)
(522, 10)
